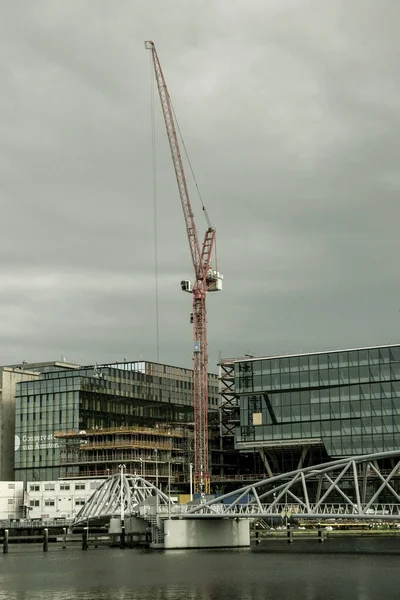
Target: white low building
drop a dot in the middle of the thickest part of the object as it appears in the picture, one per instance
(11, 500)
(60, 499)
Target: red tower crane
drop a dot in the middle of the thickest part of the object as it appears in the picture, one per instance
(206, 279)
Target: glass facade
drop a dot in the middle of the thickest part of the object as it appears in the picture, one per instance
(113, 395)
(347, 400)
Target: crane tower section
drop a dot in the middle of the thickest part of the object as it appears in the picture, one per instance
(206, 279)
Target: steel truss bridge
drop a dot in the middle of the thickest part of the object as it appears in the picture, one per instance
(132, 492)
(350, 488)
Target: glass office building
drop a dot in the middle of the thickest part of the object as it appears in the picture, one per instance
(110, 395)
(346, 402)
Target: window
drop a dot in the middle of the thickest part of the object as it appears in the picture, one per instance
(49, 487)
(80, 486)
(34, 488)
(79, 502)
(11, 501)
(49, 502)
(34, 503)
(64, 487)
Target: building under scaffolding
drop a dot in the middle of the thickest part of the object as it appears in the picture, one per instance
(138, 398)
(163, 452)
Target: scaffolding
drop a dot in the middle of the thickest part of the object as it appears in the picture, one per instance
(162, 452)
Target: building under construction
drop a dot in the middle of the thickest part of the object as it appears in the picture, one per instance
(162, 453)
(128, 411)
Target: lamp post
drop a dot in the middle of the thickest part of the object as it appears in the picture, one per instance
(191, 481)
(155, 452)
(122, 467)
(169, 488)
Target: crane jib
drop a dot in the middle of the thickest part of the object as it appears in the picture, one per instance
(206, 279)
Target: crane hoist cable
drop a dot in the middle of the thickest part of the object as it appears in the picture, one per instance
(155, 207)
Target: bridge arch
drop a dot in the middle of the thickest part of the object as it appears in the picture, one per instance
(340, 488)
(105, 502)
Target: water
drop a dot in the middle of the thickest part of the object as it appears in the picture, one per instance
(271, 571)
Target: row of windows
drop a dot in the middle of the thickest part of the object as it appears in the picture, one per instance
(50, 487)
(325, 431)
(318, 412)
(365, 391)
(47, 401)
(305, 362)
(306, 379)
(51, 502)
(113, 385)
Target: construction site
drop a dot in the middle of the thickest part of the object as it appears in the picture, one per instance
(158, 453)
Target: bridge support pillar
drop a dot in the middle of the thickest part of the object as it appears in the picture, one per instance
(206, 533)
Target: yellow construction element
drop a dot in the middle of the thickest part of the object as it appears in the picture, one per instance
(198, 485)
(159, 431)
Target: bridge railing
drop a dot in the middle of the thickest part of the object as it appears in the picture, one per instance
(287, 510)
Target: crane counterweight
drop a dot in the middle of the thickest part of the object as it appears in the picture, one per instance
(207, 279)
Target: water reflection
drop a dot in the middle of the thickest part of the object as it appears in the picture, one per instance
(272, 573)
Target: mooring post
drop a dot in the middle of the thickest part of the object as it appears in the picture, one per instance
(5, 542)
(122, 536)
(64, 538)
(289, 534)
(320, 538)
(85, 539)
(257, 534)
(45, 540)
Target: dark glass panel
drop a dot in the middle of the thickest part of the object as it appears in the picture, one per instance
(295, 380)
(284, 365)
(394, 354)
(333, 360)
(364, 374)
(353, 375)
(323, 361)
(275, 365)
(384, 355)
(333, 376)
(353, 358)
(266, 367)
(363, 357)
(303, 363)
(374, 356)
(304, 379)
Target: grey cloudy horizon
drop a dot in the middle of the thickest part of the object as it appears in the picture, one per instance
(290, 111)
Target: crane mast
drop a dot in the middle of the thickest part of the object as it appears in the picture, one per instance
(206, 279)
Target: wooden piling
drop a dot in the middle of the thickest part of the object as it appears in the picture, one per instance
(320, 538)
(5, 542)
(45, 540)
(85, 540)
(122, 538)
(289, 534)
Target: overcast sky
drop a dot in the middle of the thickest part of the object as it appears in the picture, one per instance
(290, 111)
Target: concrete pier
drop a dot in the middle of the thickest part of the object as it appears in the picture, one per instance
(206, 533)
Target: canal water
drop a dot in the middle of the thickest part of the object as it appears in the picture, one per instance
(335, 570)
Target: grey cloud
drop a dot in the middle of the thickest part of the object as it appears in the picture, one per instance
(290, 112)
